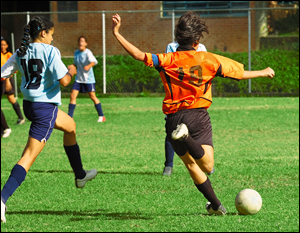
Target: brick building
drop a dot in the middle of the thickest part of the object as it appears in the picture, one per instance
(148, 31)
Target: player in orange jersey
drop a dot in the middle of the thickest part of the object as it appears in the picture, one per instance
(186, 75)
(5, 55)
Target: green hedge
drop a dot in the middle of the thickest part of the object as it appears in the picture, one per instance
(125, 75)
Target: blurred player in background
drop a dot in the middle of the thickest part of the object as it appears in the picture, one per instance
(187, 75)
(42, 73)
(84, 60)
(5, 55)
(169, 152)
(5, 130)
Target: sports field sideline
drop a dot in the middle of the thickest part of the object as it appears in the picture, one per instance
(256, 143)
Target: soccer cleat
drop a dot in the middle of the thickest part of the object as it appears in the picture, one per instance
(180, 132)
(101, 119)
(6, 133)
(211, 172)
(20, 121)
(167, 171)
(3, 210)
(221, 209)
(91, 174)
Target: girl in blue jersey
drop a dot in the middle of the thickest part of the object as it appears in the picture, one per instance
(84, 60)
(42, 73)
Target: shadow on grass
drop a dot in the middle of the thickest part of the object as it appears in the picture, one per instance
(85, 215)
(100, 172)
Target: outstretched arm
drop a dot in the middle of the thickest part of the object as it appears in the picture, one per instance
(268, 72)
(130, 48)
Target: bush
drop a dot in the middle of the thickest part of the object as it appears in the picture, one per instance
(126, 75)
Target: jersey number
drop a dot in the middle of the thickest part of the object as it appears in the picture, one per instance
(35, 68)
(192, 74)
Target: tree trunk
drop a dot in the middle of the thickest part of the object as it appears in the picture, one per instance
(261, 22)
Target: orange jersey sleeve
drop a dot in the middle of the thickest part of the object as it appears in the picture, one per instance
(5, 57)
(187, 76)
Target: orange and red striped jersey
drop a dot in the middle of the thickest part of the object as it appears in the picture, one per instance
(187, 76)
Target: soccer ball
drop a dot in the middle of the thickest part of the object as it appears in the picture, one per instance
(248, 201)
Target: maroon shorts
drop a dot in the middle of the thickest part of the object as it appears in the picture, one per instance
(198, 123)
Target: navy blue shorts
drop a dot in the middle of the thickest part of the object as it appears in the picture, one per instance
(42, 116)
(84, 87)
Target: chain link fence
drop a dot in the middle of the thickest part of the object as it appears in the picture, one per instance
(252, 36)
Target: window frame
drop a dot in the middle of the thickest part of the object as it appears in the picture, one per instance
(203, 15)
(67, 18)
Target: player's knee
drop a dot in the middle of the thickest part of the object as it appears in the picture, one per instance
(208, 167)
(72, 127)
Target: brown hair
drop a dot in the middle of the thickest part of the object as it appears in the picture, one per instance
(83, 38)
(32, 30)
(189, 29)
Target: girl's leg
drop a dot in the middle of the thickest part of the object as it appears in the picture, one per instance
(97, 103)
(16, 106)
(72, 103)
(4, 125)
(201, 180)
(19, 171)
(66, 124)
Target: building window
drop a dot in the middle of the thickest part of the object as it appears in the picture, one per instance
(67, 6)
(197, 6)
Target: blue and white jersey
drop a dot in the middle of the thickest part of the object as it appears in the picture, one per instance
(82, 59)
(174, 45)
(41, 69)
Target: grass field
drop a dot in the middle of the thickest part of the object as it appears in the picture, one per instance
(256, 144)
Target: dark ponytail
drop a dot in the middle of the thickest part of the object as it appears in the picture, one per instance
(32, 30)
(25, 42)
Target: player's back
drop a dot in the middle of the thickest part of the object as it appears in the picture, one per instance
(41, 67)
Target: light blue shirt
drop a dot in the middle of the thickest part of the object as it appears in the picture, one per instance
(174, 45)
(82, 59)
(41, 69)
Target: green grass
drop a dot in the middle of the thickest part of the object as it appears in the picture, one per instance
(256, 144)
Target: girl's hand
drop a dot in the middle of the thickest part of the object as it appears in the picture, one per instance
(86, 68)
(72, 69)
(269, 72)
(116, 23)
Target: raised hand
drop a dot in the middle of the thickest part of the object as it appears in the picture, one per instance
(116, 23)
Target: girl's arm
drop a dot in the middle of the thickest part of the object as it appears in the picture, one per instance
(68, 77)
(89, 66)
(268, 72)
(130, 48)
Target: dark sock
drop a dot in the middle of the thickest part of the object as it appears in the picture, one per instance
(71, 109)
(73, 154)
(99, 109)
(194, 148)
(3, 121)
(17, 109)
(169, 153)
(17, 176)
(208, 192)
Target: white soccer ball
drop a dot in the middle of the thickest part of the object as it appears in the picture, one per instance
(248, 201)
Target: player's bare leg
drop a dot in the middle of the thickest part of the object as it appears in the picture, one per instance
(66, 124)
(195, 171)
(19, 171)
(73, 96)
(30, 153)
(203, 154)
(93, 97)
(206, 163)
(72, 103)
(203, 184)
